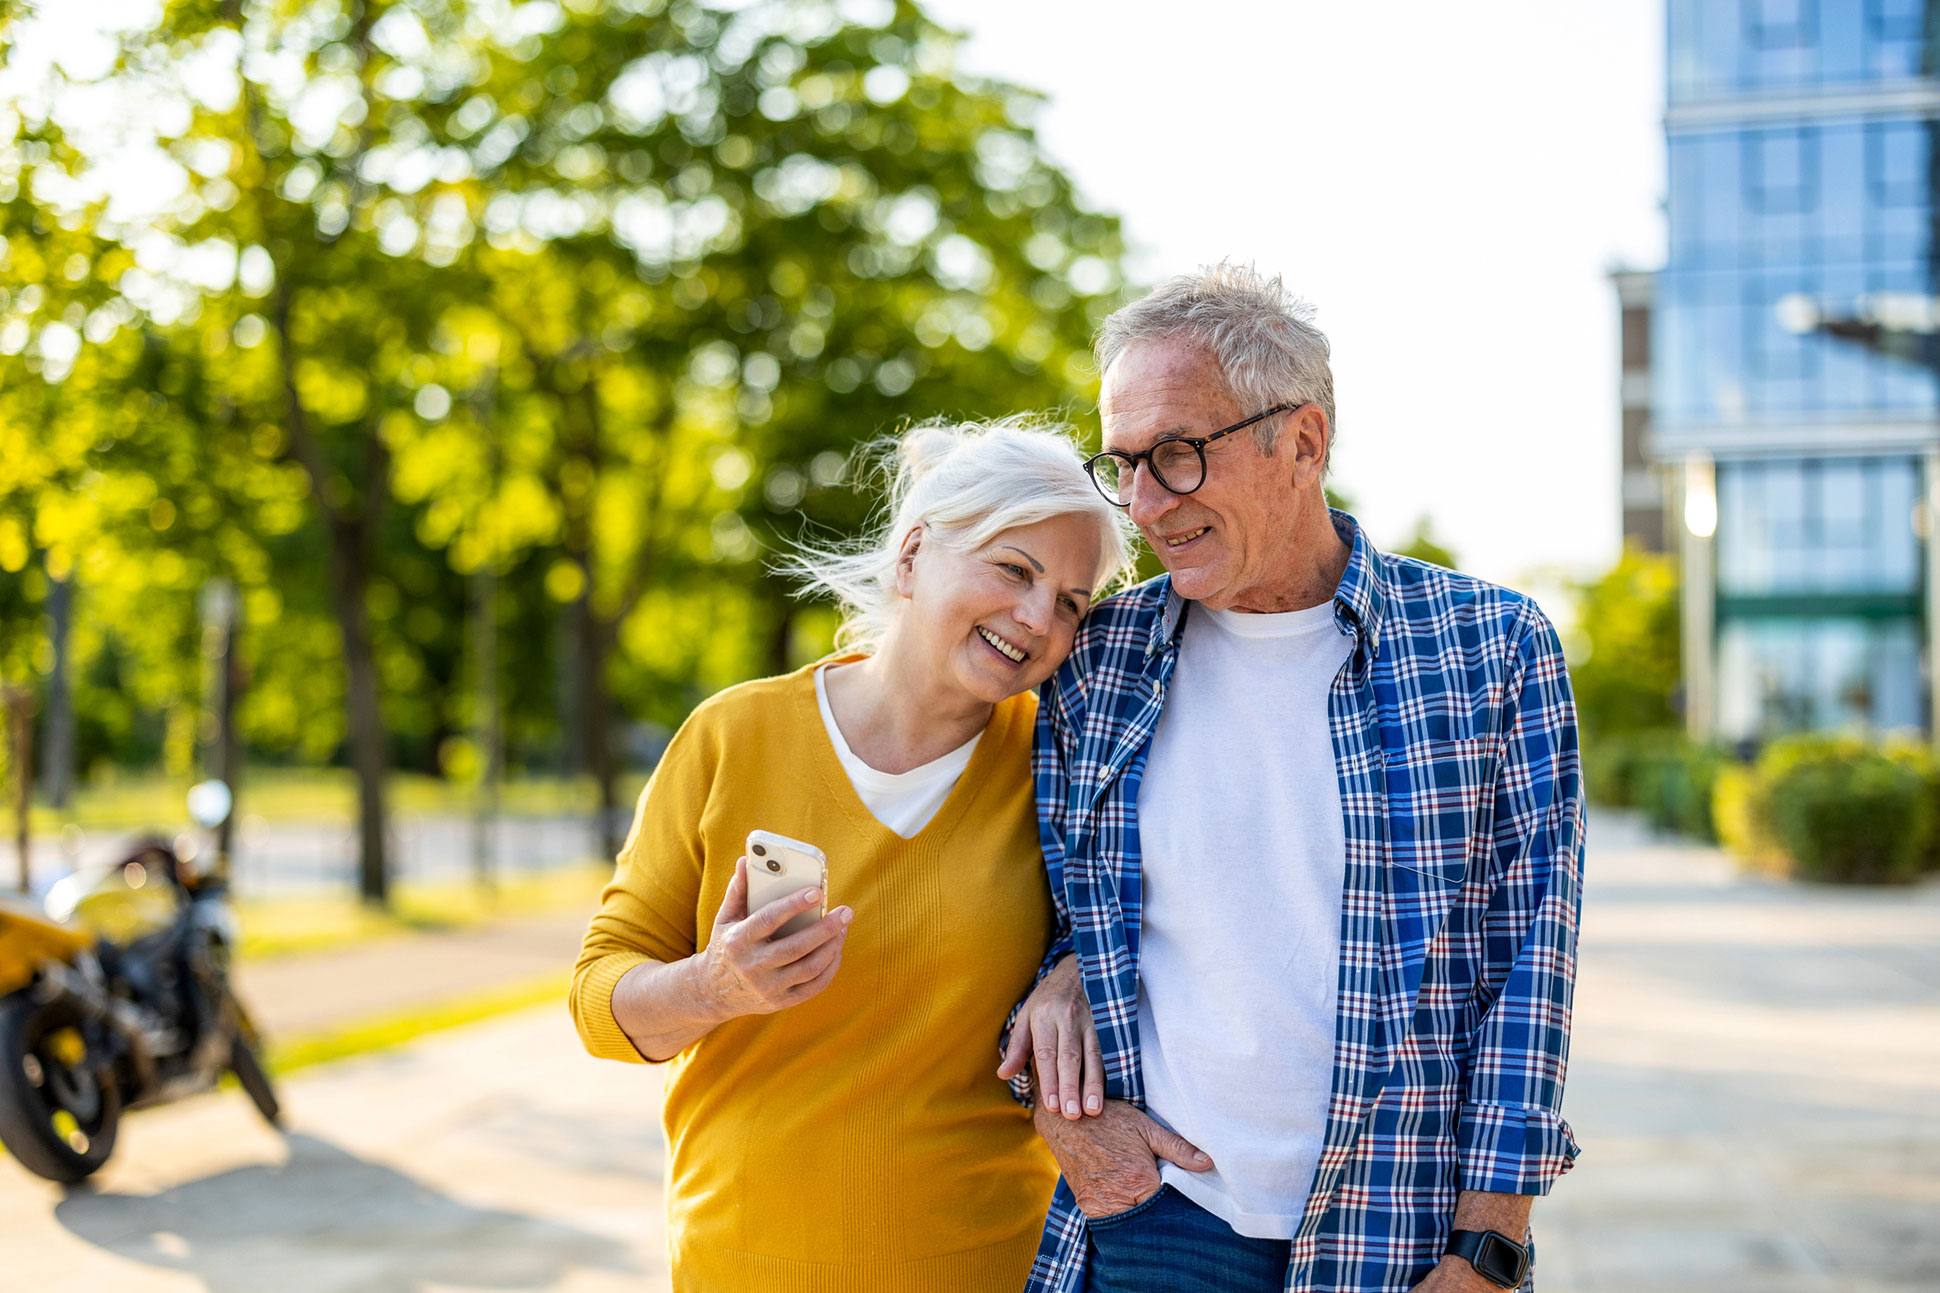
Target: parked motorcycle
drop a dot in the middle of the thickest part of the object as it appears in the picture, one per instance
(115, 995)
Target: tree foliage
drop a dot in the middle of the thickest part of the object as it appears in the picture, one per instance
(562, 314)
(1625, 669)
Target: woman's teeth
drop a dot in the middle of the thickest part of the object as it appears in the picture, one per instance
(1001, 645)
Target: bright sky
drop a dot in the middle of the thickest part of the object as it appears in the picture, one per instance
(1447, 183)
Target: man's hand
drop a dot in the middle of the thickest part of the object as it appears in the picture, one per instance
(748, 972)
(1111, 1162)
(1055, 1029)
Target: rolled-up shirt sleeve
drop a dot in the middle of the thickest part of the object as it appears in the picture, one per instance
(1512, 1138)
(1051, 778)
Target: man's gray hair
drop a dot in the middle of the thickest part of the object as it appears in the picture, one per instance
(1261, 335)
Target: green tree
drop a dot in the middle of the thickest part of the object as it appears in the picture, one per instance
(1625, 665)
(592, 297)
(1423, 546)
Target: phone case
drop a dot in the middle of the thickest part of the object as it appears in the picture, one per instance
(779, 866)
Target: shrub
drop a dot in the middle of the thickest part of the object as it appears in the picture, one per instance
(1613, 765)
(1675, 790)
(1741, 812)
(1845, 812)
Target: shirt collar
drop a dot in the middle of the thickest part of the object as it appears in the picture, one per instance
(1360, 600)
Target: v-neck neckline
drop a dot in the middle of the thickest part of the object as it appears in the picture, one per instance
(836, 778)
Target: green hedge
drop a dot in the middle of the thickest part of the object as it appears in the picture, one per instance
(1823, 807)
(1661, 773)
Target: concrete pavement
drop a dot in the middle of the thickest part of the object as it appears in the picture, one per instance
(493, 1157)
(1755, 1081)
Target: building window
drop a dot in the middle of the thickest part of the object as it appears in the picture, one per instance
(1896, 163)
(1779, 24)
(1788, 675)
(1781, 170)
(1838, 527)
(1896, 20)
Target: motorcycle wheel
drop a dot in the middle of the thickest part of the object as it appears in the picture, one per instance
(248, 1068)
(58, 1110)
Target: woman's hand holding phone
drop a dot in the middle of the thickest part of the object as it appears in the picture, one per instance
(750, 972)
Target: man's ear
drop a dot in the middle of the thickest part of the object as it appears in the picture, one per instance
(1309, 434)
(906, 561)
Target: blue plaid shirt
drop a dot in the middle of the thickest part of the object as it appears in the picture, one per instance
(1454, 738)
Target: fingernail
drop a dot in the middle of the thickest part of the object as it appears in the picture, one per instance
(810, 897)
(1091, 1103)
(844, 915)
(1070, 1108)
(1202, 1157)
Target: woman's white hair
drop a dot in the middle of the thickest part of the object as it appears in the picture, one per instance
(1261, 335)
(965, 483)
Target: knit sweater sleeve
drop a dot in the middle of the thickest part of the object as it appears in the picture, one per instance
(648, 910)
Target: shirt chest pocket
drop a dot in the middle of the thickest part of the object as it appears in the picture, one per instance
(1440, 796)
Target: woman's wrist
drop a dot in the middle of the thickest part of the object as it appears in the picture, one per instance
(705, 997)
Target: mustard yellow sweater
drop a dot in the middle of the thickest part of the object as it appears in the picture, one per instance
(861, 1140)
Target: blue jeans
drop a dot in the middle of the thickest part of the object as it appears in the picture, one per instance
(1169, 1244)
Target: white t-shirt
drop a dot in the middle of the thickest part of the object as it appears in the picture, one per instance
(902, 801)
(1244, 858)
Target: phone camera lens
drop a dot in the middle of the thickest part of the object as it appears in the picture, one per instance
(760, 851)
(773, 865)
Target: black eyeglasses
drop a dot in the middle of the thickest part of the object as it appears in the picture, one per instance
(1178, 464)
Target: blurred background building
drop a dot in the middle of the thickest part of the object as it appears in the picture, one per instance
(1792, 396)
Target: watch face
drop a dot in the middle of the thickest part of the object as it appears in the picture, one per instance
(1501, 1261)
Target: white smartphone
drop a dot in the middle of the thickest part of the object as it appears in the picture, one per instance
(778, 867)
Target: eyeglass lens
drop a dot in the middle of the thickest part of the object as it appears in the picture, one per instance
(1177, 464)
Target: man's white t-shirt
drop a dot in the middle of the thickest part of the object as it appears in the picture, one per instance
(1244, 858)
(903, 801)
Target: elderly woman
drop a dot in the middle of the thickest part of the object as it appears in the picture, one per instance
(833, 1119)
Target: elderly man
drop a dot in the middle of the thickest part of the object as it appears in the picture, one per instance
(1312, 819)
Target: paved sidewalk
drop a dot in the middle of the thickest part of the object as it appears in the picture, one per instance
(498, 1156)
(1755, 1080)
(309, 992)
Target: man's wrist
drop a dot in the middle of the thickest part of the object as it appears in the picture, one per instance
(1496, 1260)
(1455, 1275)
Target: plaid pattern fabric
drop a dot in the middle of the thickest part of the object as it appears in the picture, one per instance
(1454, 735)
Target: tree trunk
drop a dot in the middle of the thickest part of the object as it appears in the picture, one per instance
(227, 763)
(487, 726)
(594, 641)
(780, 637)
(20, 730)
(348, 581)
(59, 763)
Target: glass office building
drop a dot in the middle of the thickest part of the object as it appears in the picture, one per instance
(1793, 393)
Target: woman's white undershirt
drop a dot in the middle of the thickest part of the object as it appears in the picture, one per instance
(902, 801)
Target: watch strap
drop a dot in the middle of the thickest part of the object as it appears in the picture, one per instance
(1496, 1257)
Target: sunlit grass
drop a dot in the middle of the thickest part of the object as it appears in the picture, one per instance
(408, 1025)
(307, 794)
(282, 926)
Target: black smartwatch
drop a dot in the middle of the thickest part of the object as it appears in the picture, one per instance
(1496, 1257)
